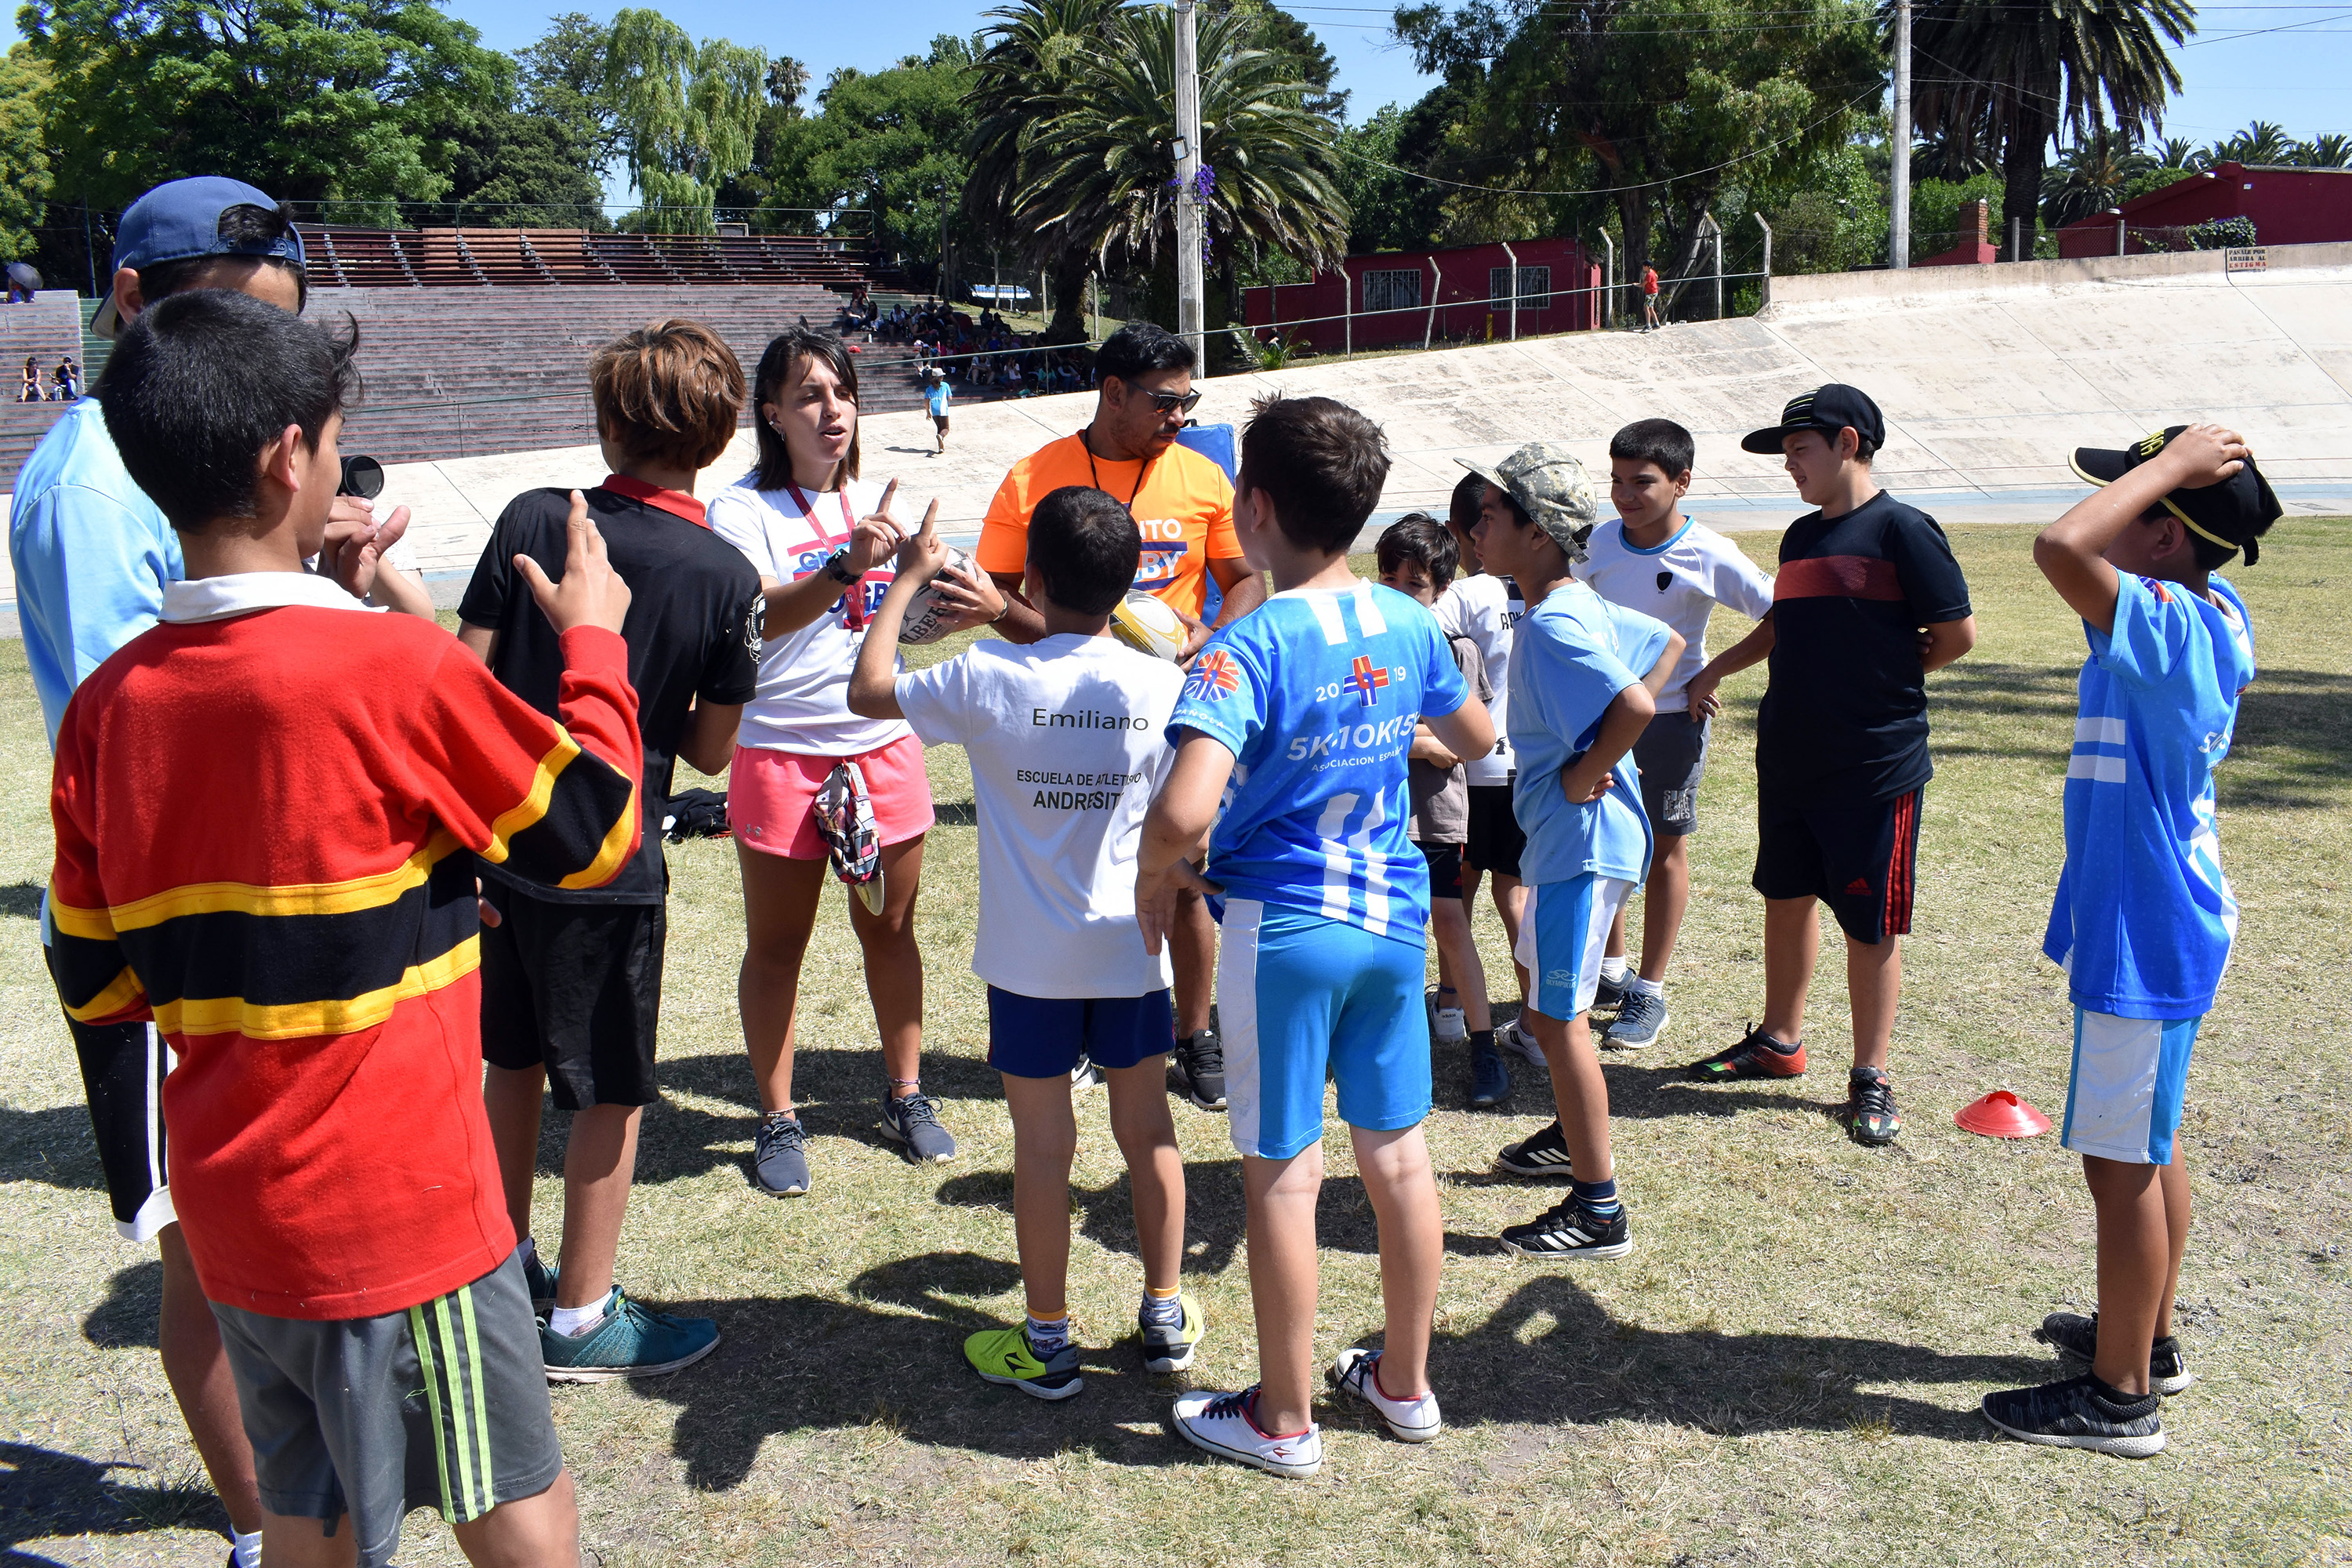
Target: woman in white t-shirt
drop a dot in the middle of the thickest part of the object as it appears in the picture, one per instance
(825, 543)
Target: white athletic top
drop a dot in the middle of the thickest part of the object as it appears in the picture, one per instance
(803, 704)
(1679, 583)
(1067, 742)
(1485, 609)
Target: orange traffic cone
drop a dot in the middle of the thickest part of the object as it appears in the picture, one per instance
(2001, 1114)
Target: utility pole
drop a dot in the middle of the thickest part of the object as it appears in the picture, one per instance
(1898, 219)
(1192, 303)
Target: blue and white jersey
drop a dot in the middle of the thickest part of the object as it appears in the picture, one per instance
(1316, 694)
(2144, 917)
(1570, 655)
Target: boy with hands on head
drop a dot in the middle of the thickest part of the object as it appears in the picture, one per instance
(1298, 720)
(318, 981)
(2144, 919)
(1065, 737)
(1584, 679)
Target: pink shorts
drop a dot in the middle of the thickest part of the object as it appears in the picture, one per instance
(772, 796)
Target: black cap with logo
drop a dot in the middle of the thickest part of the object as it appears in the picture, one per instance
(1829, 409)
(2232, 514)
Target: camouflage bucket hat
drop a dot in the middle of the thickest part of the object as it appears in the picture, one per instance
(1551, 486)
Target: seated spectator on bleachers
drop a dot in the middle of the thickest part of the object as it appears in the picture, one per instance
(67, 377)
(31, 392)
(22, 282)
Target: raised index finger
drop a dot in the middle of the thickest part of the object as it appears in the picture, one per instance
(889, 492)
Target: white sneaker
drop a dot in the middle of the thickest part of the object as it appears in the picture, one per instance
(1519, 1041)
(1221, 1423)
(1452, 1026)
(1413, 1420)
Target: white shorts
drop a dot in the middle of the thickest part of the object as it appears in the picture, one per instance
(2123, 1099)
(1562, 933)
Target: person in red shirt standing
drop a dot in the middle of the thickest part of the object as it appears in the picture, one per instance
(1649, 298)
(1183, 504)
(268, 809)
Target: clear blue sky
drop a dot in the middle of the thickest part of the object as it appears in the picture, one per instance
(2295, 76)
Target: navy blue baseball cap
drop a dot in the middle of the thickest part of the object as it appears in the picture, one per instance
(180, 219)
(1828, 409)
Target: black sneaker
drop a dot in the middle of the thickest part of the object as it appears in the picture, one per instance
(1758, 1054)
(1197, 1070)
(1545, 1154)
(1610, 995)
(2076, 1414)
(2078, 1336)
(1570, 1233)
(1871, 1119)
(780, 1156)
(1490, 1079)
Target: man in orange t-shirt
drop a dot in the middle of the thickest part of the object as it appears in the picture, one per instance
(1182, 502)
(1184, 506)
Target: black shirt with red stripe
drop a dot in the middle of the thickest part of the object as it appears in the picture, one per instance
(1845, 711)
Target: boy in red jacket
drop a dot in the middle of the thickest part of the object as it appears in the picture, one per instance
(267, 811)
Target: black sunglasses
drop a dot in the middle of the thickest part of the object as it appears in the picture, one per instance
(1172, 402)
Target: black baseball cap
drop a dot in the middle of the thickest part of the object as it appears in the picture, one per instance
(1825, 408)
(2232, 514)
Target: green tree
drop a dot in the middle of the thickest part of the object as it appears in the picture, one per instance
(686, 115)
(350, 102)
(2093, 173)
(2028, 72)
(1391, 168)
(1269, 166)
(559, 80)
(1641, 109)
(23, 158)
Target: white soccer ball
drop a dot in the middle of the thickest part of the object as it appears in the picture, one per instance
(1148, 626)
(927, 615)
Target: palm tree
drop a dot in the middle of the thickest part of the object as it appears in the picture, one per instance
(2037, 69)
(2331, 151)
(2091, 176)
(2179, 152)
(2260, 142)
(1032, 58)
(1269, 165)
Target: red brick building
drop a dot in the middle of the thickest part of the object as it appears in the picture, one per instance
(2288, 206)
(1407, 297)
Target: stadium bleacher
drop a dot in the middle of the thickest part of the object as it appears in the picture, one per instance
(48, 327)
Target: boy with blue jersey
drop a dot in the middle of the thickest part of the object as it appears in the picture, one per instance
(1584, 679)
(1299, 720)
(2144, 917)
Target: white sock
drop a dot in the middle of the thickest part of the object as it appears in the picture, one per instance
(574, 1321)
(1647, 987)
(246, 1547)
(1612, 970)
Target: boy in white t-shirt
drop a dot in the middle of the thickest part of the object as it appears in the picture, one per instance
(1657, 560)
(1066, 737)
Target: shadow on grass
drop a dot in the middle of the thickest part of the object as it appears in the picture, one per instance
(54, 1146)
(2295, 727)
(128, 1316)
(891, 1361)
(45, 1494)
(22, 899)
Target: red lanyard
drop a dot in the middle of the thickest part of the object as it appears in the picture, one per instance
(852, 597)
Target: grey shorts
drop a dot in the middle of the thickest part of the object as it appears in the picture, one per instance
(1671, 756)
(442, 1406)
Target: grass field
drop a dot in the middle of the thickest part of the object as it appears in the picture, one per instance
(1786, 1369)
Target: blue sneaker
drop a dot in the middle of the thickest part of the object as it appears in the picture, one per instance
(912, 1122)
(539, 1280)
(1490, 1079)
(628, 1341)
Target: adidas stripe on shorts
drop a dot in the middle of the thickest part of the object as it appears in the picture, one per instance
(2124, 1096)
(1562, 933)
(122, 1070)
(442, 1405)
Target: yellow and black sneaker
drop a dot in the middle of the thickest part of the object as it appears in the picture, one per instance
(1004, 1355)
(1169, 1335)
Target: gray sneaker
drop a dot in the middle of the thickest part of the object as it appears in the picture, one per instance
(1638, 1026)
(913, 1123)
(1517, 1040)
(2077, 1336)
(780, 1156)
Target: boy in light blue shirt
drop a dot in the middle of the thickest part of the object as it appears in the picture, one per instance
(2144, 919)
(1584, 677)
(1298, 719)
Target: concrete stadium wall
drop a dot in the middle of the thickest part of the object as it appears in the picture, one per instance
(1988, 377)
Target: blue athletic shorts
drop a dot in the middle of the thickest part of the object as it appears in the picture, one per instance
(1042, 1037)
(1301, 998)
(2123, 1101)
(1562, 933)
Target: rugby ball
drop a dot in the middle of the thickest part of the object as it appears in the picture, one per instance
(1148, 626)
(928, 617)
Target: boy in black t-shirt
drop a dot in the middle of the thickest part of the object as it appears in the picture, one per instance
(571, 980)
(1868, 600)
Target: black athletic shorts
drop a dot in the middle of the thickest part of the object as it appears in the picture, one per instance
(122, 1070)
(1858, 859)
(575, 988)
(1445, 868)
(1495, 836)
